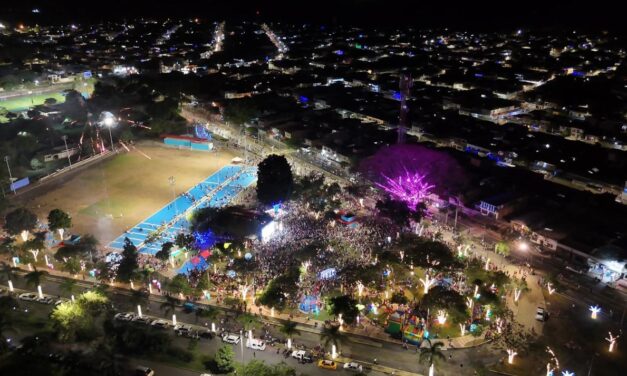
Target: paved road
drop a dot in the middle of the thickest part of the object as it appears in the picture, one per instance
(361, 350)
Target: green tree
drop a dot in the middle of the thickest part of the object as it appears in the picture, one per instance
(50, 101)
(331, 335)
(138, 297)
(502, 248)
(274, 180)
(169, 306)
(34, 278)
(241, 111)
(19, 220)
(248, 321)
(344, 305)
(58, 219)
(164, 253)
(185, 241)
(289, 329)
(72, 265)
(179, 285)
(8, 271)
(208, 313)
(129, 262)
(432, 353)
(276, 293)
(396, 211)
(451, 301)
(224, 359)
(68, 286)
(68, 318)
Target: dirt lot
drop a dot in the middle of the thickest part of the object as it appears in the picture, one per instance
(111, 196)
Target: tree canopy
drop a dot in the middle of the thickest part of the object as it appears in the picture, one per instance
(344, 305)
(129, 262)
(58, 219)
(274, 180)
(19, 220)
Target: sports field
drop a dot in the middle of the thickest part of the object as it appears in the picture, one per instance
(214, 191)
(113, 196)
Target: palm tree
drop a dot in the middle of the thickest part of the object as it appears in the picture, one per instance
(431, 354)
(169, 305)
(289, 329)
(8, 271)
(34, 278)
(138, 297)
(209, 313)
(248, 321)
(331, 335)
(68, 286)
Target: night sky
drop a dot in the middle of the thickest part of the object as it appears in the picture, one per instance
(484, 15)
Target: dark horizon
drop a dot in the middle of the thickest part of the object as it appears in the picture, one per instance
(486, 15)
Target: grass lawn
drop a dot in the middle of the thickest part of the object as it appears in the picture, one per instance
(24, 103)
(111, 196)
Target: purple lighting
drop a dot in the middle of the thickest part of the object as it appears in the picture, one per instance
(409, 187)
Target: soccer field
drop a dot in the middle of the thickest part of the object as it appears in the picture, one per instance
(111, 197)
(215, 191)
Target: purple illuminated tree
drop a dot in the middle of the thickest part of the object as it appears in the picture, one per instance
(409, 187)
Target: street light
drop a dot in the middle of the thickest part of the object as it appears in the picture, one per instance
(109, 122)
(6, 159)
(172, 182)
(67, 152)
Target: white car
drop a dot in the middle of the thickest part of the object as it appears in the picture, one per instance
(61, 301)
(160, 324)
(353, 366)
(541, 314)
(45, 300)
(231, 338)
(142, 320)
(28, 296)
(124, 316)
(298, 354)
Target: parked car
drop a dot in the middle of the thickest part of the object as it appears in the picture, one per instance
(144, 371)
(231, 338)
(124, 316)
(207, 334)
(160, 324)
(28, 296)
(327, 364)
(142, 320)
(256, 344)
(61, 301)
(45, 300)
(353, 366)
(541, 314)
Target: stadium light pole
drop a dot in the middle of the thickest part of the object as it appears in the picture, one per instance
(67, 152)
(109, 122)
(6, 159)
(172, 182)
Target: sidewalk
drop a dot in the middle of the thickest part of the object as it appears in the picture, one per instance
(524, 310)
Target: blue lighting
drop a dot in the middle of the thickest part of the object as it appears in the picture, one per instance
(303, 99)
(338, 52)
(479, 75)
(202, 132)
(396, 95)
(205, 240)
